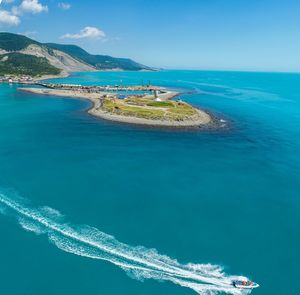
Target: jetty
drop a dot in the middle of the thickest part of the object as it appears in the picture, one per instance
(94, 88)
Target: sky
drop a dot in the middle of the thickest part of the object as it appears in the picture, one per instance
(253, 35)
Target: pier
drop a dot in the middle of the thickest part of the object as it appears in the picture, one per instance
(94, 88)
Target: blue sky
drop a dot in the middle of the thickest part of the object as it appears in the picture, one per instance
(261, 35)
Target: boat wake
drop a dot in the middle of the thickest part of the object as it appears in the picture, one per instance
(138, 262)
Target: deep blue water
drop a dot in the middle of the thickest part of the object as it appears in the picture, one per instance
(229, 197)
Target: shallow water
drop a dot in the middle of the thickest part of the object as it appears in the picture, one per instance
(228, 197)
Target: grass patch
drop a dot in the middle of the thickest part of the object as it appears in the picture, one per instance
(149, 109)
(162, 104)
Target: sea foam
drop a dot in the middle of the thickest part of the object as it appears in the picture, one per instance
(138, 262)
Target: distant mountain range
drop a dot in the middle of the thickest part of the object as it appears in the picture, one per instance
(20, 55)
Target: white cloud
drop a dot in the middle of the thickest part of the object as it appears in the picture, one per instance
(6, 1)
(86, 33)
(29, 6)
(9, 19)
(64, 6)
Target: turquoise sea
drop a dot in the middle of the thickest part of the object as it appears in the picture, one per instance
(221, 202)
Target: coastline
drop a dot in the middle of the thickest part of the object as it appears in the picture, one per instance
(200, 119)
(63, 74)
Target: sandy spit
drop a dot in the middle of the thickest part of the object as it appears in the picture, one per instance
(200, 119)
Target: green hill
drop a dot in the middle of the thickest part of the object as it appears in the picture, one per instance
(14, 42)
(22, 64)
(57, 57)
(99, 61)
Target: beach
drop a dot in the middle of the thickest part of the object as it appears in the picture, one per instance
(63, 74)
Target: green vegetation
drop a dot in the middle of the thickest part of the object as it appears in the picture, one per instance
(99, 61)
(162, 104)
(149, 109)
(22, 64)
(150, 102)
(14, 42)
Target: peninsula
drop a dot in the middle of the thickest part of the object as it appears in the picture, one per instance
(143, 105)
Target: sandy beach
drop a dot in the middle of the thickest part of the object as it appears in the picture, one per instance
(63, 74)
(201, 118)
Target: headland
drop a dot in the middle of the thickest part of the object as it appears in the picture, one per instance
(143, 105)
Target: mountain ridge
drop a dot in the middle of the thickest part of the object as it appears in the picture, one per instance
(96, 60)
(49, 56)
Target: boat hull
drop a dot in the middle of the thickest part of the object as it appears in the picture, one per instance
(241, 286)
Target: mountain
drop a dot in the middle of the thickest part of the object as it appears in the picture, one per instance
(22, 55)
(22, 64)
(13, 42)
(100, 62)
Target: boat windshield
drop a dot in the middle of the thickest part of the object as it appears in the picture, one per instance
(244, 283)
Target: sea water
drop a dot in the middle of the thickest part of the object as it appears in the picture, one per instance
(203, 205)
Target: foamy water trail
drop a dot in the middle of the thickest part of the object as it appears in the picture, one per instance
(138, 262)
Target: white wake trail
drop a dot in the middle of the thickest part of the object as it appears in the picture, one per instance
(139, 262)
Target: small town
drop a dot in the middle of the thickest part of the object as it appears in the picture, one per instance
(17, 79)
